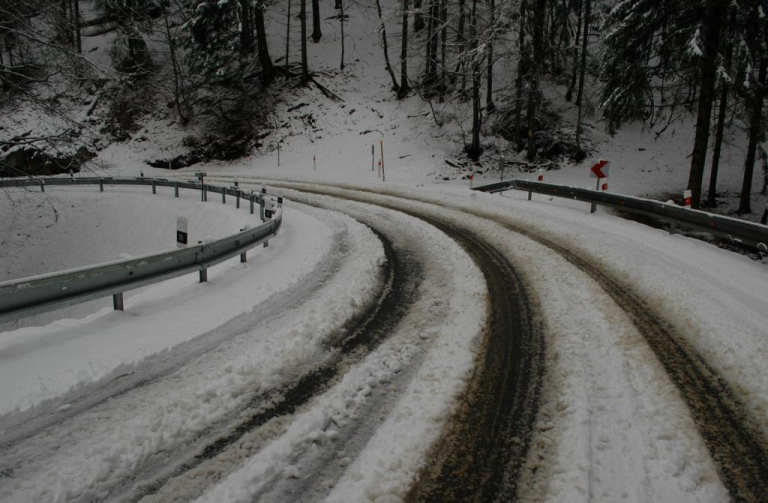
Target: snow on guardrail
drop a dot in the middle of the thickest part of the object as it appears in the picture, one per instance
(741, 231)
(28, 296)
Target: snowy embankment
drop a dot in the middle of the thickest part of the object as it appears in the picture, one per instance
(258, 352)
(42, 362)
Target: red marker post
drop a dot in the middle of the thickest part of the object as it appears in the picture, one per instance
(687, 197)
(599, 171)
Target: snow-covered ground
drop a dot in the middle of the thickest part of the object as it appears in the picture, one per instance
(612, 424)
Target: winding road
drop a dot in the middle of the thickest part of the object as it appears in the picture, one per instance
(503, 423)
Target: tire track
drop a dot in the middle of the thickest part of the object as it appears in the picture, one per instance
(368, 331)
(480, 456)
(738, 449)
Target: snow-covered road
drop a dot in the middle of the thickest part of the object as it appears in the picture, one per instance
(434, 346)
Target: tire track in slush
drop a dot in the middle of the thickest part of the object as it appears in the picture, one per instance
(402, 278)
(482, 452)
(738, 449)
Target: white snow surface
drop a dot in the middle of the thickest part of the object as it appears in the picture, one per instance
(261, 356)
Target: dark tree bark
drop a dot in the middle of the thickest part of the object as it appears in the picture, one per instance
(430, 65)
(316, 34)
(474, 149)
(461, 43)
(714, 10)
(539, 14)
(522, 68)
(418, 17)
(177, 82)
(395, 85)
(341, 21)
(404, 88)
(489, 106)
(246, 33)
(755, 123)
(582, 72)
(287, 36)
(267, 68)
(443, 48)
(76, 27)
(719, 132)
(304, 65)
(572, 85)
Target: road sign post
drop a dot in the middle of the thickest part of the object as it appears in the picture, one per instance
(599, 171)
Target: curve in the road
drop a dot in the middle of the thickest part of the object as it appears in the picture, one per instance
(356, 340)
(480, 456)
(739, 450)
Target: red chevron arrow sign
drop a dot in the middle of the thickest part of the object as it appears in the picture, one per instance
(599, 170)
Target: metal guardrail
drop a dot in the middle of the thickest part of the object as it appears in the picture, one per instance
(741, 231)
(38, 294)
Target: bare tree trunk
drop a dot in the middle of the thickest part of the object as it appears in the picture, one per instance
(246, 43)
(706, 97)
(461, 43)
(533, 87)
(522, 68)
(304, 65)
(489, 106)
(316, 34)
(443, 48)
(341, 20)
(404, 88)
(429, 77)
(267, 68)
(418, 17)
(764, 159)
(475, 150)
(572, 85)
(177, 84)
(754, 135)
(3, 79)
(78, 37)
(719, 132)
(582, 72)
(287, 36)
(395, 86)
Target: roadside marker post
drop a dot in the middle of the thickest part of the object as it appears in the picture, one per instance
(599, 171)
(373, 156)
(383, 173)
(201, 177)
(471, 179)
(314, 162)
(182, 237)
(502, 165)
(687, 198)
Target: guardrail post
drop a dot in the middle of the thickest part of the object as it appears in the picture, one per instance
(224, 196)
(42, 185)
(237, 196)
(261, 209)
(154, 188)
(529, 195)
(251, 204)
(203, 275)
(176, 189)
(117, 302)
(243, 258)
(593, 207)
(266, 244)
(101, 185)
